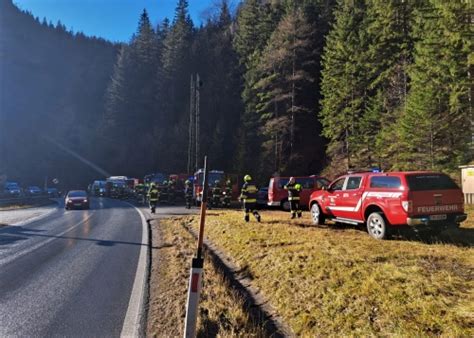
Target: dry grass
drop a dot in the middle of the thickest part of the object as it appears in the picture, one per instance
(221, 311)
(332, 281)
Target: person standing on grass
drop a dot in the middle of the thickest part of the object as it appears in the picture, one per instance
(248, 196)
(294, 190)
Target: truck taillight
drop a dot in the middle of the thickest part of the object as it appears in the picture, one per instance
(407, 206)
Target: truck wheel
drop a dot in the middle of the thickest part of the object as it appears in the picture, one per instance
(377, 226)
(316, 215)
(285, 205)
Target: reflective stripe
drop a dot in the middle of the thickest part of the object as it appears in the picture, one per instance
(341, 208)
(378, 194)
(250, 200)
(293, 198)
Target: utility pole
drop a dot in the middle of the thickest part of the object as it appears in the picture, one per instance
(198, 86)
(194, 117)
(192, 97)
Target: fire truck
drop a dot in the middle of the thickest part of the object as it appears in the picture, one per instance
(214, 175)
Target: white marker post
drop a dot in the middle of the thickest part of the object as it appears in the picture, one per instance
(195, 278)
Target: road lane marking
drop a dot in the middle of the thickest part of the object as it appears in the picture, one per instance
(41, 244)
(132, 322)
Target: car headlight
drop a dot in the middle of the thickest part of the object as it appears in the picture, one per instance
(85, 201)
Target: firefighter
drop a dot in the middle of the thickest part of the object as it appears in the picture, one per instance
(248, 196)
(140, 193)
(188, 193)
(164, 192)
(227, 193)
(294, 190)
(171, 191)
(216, 194)
(153, 195)
(146, 188)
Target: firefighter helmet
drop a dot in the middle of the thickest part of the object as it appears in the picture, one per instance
(247, 178)
(298, 186)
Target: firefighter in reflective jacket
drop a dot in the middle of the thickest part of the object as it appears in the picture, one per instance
(188, 193)
(216, 194)
(294, 190)
(153, 195)
(227, 193)
(248, 196)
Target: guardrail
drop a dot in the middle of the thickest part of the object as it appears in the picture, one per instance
(5, 202)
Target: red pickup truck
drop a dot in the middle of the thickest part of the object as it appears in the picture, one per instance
(384, 201)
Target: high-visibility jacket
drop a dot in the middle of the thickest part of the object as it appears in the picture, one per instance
(216, 191)
(153, 194)
(188, 190)
(293, 193)
(248, 194)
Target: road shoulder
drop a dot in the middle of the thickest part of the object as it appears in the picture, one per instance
(19, 217)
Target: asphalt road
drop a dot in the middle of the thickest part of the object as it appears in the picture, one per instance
(70, 273)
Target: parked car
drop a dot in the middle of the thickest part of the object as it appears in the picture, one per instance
(278, 196)
(77, 199)
(52, 192)
(33, 191)
(11, 189)
(386, 201)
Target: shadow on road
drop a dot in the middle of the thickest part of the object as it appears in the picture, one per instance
(15, 234)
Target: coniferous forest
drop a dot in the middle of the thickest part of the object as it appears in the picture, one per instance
(290, 87)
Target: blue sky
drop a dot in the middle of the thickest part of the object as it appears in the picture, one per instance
(115, 20)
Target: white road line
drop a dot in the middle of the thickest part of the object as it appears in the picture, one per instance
(131, 324)
(39, 245)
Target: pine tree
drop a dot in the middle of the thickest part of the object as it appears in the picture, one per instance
(343, 84)
(255, 24)
(130, 99)
(285, 74)
(221, 106)
(174, 89)
(433, 129)
(388, 57)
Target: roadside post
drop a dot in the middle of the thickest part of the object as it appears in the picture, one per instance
(195, 277)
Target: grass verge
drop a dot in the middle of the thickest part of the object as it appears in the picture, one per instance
(221, 309)
(338, 281)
